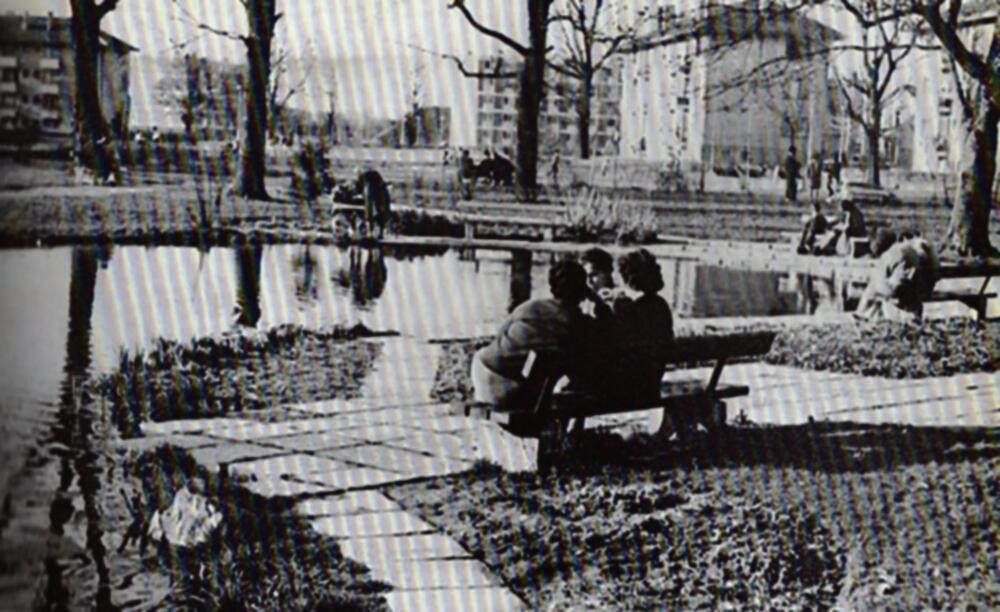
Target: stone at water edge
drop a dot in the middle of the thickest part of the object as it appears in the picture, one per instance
(189, 520)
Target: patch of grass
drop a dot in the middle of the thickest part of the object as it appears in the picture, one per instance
(261, 557)
(806, 517)
(891, 349)
(214, 376)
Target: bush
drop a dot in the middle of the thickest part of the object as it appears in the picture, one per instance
(891, 349)
(593, 216)
(210, 377)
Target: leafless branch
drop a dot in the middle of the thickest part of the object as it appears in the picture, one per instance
(496, 73)
(495, 34)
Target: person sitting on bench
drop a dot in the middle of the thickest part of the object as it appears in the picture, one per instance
(600, 268)
(815, 225)
(850, 225)
(901, 282)
(552, 326)
(626, 355)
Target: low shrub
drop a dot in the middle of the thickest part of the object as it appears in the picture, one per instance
(261, 557)
(895, 350)
(593, 217)
(214, 376)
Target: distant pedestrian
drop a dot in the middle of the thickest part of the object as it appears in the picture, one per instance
(555, 170)
(833, 174)
(814, 172)
(446, 157)
(466, 174)
(374, 193)
(792, 168)
(155, 137)
(744, 171)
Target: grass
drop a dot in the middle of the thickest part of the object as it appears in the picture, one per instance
(261, 557)
(214, 376)
(895, 350)
(807, 517)
(594, 217)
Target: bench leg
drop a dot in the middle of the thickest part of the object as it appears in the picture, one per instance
(553, 440)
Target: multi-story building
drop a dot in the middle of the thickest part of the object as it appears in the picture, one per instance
(558, 126)
(721, 84)
(37, 80)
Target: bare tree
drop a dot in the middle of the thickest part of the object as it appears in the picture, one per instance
(281, 89)
(262, 17)
(531, 81)
(592, 37)
(93, 137)
(950, 23)
(870, 89)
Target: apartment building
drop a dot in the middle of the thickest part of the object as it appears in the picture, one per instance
(496, 111)
(37, 81)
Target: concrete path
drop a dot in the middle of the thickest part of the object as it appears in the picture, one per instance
(335, 455)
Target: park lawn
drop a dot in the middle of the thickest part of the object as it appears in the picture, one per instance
(807, 517)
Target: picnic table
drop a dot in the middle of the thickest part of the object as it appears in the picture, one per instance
(685, 402)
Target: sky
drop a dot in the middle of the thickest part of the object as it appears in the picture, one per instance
(373, 45)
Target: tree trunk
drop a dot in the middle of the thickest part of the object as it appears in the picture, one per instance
(532, 84)
(250, 176)
(873, 132)
(583, 115)
(968, 230)
(93, 143)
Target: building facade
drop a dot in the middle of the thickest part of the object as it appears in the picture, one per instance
(558, 126)
(37, 81)
(717, 87)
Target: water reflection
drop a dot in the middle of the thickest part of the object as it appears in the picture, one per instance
(364, 276)
(248, 257)
(73, 432)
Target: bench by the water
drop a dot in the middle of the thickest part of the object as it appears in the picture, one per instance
(684, 402)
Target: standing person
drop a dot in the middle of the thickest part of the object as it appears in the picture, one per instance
(833, 174)
(555, 170)
(744, 171)
(815, 174)
(466, 174)
(553, 326)
(792, 168)
(378, 203)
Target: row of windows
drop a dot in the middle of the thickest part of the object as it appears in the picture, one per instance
(10, 123)
(45, 100)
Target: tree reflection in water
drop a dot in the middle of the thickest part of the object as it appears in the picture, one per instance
(248, 258)
(364, 277)
(304, 269)
(75, 434)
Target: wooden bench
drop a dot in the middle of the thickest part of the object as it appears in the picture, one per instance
(977, 300)
(685, 402)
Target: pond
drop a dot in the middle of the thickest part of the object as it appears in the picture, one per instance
(67, 312)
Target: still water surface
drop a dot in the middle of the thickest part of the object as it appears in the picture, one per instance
(66, 313)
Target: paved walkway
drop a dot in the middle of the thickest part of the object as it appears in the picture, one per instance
(337, 454)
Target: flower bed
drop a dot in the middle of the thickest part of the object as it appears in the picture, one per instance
(261, 557)
(214, 376)
(895, 350)
(806, 517)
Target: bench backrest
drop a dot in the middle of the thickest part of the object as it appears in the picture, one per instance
(702, 349)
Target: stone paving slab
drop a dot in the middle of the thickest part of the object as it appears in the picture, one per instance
(354, 502)
(490, 599)
(372, 524)
(403, 548)
(214, 458)
(346, 478)
(184, 426)
(244, 430)
(447, 446)
(431, 574)
(296, 465)
(405, 462)
(312, 442)
(273, 487)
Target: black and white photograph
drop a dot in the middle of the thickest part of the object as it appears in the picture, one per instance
(499, 305)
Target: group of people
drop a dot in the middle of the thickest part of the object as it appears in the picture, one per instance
(609, 341)
(814, 175)
(822, 237)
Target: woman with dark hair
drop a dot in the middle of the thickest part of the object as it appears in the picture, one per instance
(645, 326)
(553, 326)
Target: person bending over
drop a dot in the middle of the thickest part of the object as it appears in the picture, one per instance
(552, 326)
(815, 225)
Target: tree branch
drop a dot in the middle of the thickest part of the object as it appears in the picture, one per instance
(496, 73)
(495, 34)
